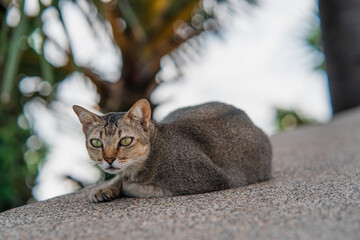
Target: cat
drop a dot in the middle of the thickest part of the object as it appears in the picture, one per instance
(199, 149)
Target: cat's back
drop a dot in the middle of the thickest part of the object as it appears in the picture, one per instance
(213, 118)
(203, 111)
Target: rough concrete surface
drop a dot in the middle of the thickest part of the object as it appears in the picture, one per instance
(314, 194)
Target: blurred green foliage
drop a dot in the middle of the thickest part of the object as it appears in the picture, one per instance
(287, 119)
(17, 176)
(314, 40)
(13, 172)
(18, 160)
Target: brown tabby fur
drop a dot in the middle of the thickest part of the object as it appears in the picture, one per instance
(197, 149)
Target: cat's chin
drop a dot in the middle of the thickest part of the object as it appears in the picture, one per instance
(112, 170)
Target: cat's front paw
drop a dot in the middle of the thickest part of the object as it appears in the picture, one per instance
(103, 194)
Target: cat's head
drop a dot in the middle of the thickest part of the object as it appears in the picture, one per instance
(118, 142)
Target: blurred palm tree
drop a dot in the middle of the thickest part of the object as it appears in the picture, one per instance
(143, 31)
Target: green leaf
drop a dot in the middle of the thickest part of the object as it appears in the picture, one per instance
(13, 58)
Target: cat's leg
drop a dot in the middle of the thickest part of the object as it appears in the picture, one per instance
(107, 191)
(143, 190)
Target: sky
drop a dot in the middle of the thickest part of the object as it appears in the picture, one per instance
(260, 63)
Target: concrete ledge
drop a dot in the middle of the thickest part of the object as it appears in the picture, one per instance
(315, 194)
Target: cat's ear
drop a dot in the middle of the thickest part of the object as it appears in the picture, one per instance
(140, 112)
(86, 117)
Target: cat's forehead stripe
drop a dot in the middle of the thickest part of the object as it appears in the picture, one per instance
(111, 120)
(110, 129)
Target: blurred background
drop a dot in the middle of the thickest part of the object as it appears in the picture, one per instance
(266, 57)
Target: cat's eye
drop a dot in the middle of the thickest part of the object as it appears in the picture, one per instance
(96, 143)
(126, 141)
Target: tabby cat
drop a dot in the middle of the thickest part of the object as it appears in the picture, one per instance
(197, 149)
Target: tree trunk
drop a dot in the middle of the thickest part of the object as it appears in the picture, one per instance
(137, 81)
(340, 25)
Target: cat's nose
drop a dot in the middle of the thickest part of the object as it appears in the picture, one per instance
(109, 160)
